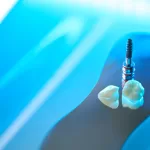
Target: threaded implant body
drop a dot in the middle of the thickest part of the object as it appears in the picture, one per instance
(129, 49)
(128, 68)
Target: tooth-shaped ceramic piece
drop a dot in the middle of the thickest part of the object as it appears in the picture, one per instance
(110, 96)
(132, 94)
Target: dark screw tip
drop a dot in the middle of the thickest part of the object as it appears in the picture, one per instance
(129, 48)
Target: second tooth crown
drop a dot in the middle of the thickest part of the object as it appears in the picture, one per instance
(132, 94)
(133, 89)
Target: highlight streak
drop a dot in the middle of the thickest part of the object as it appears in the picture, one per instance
(64, 28)
(5, 7)
(63, 72)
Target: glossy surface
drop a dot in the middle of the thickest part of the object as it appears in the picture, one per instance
(95, 126)
(50, 60)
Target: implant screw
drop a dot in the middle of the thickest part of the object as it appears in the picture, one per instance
(128, 67)
(129, 49)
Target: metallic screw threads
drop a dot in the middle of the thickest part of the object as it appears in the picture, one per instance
(129, 49)
(128, 68)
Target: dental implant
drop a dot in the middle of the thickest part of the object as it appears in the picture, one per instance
(128, 68)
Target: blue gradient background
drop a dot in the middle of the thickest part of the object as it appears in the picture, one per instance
(21, 30)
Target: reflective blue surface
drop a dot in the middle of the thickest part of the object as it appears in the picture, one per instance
(139, 139)
(20, 32)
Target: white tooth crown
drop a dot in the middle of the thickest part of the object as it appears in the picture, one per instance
(132, 94)
(110, 96)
